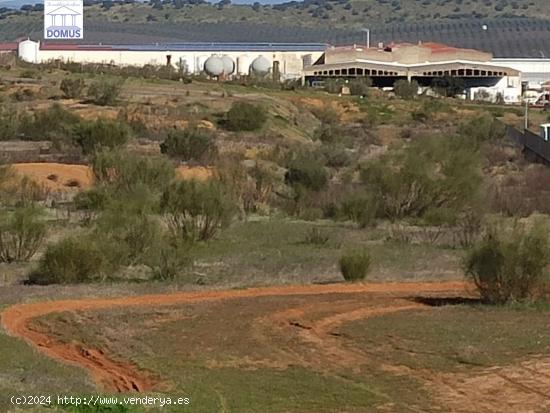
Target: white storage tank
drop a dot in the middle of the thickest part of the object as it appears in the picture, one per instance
(214, 66)
(243, 64)
(28, 51)
(228, 65)
(199, 63)
(260, 65)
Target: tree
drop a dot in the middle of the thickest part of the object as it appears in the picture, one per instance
(21, 234)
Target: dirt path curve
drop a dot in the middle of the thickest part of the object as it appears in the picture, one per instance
(122, 377)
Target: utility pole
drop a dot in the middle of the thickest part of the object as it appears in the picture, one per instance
(526, 117)
(365, 30)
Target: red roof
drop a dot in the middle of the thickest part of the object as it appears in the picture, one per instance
(71, 46)
(8, 46)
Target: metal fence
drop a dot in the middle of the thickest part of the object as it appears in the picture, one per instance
(530, 141)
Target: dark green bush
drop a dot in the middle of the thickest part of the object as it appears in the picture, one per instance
(72, 260)
(102, 133)
(355, 265)
(405, 89)
(196, 211)
(21, 234)
(448, 86)
(72, 88)
(360, 208)
(105, 92)
(307, 172)
(244, 116)
(190, 145)
(360, 86)
(509, 264)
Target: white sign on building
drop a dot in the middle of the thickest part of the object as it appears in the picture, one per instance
(63, 19)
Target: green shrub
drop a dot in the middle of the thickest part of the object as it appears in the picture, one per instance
(355, 265)
(196, 211)
(448, 86)
(21, 234)
(360, 86)
(72, 260)
(102, 133)
(189, 145)
(72, 88)
(361, 209)
(405, 89)
(131, 172)
(244, 116)
(315, 236)
(433, 172)
(170, 258)
(105, 92)
(9, 122)
(55, 123)
(484, 128)
(308, 172)
(509, 264)
(336, 155)
(333, 85)
(90, 202)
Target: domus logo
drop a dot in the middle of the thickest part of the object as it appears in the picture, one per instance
(63, 19)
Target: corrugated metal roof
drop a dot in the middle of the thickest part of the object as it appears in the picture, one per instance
(190, 47)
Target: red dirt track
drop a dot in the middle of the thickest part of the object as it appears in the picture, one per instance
(122, 377)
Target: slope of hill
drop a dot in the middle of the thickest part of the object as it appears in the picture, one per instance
(515, 28)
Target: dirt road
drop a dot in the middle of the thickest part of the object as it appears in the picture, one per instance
(120, 376)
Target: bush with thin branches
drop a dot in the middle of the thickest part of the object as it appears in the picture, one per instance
(509, 263)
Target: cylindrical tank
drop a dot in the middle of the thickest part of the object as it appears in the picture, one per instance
(243, 64)
(228, 65)
(199, 64)
(28, 51)
(214, 66)
(260, 65)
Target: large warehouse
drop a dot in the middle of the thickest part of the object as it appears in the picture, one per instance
(289, 58)
(422, 62)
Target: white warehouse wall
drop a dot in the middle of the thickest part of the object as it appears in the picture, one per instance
(534, 71)
(290, 63)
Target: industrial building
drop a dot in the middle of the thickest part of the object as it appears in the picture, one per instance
(289, 58)
(422, 62)
(503, 77)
